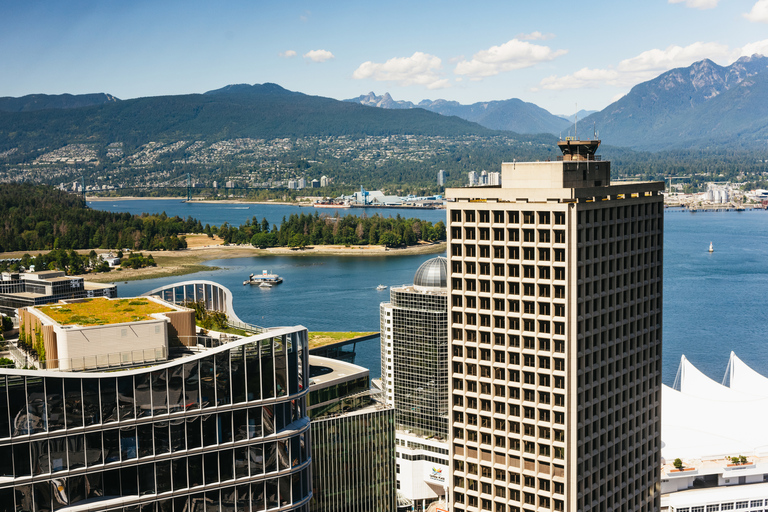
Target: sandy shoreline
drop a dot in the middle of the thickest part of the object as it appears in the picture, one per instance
(189, 261)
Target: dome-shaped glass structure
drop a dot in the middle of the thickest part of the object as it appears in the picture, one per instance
(432, 275)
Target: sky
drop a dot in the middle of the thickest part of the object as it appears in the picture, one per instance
(562, 56)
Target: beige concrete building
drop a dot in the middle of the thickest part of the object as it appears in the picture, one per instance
(555, 330)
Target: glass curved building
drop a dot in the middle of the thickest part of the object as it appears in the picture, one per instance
(225, 429)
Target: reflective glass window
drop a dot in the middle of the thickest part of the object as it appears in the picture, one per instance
(210, 430)
(253, 371)
(225, 465)
(112, 482)
(176, 388)
(162, 442)
(94, 485)
(237, 373)
(256, 459)
(73, 402)
(5, 430)
(111, 445)
(91, 406)
(254, 422)
(258, 496)
(293, 368)
(270, 457)
(195, 469)
(42, 498)
(240, 420)
(212, 499)
(6, 460)
(40, 458)
(75, 489)
(108, 399)
(193, 432)
(225, 427)
(271, 491)
(36, 405)
(241, 461)
(24, 499)
(58, 447)
(228, 499)
(143, 395)
(129, 485)
(223, 396)
(207, 384)
(295, 451)
(302, 441)
(179, 469)
(17, 405)
(211, 467)
(93, 454)
(178, 435)
(191, 385)
(268, 419)
(281, 375)
(163, 470)
(125, 397)
(159, 393)
(242, 493)
(285, 490)
(128, 443)
(146, 479)
(267, 371)
(144, 435)
(76, 451)
(282, 455)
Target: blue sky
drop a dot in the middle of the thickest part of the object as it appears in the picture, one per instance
(555, 54)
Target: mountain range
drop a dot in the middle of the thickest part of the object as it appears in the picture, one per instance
(701, 106)
(512, 115)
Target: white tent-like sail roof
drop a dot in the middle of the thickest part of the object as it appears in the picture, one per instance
(705, 419)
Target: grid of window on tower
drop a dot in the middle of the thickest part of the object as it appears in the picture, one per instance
(508, 351)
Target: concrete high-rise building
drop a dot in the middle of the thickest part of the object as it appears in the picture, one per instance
(414, 374)
(441, 178)
(555, 333)
(472, 177)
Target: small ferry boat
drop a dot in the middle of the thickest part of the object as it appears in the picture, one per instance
(711, 248)
(265, 277)
(381, 287)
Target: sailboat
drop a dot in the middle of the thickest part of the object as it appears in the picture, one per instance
(711, 248)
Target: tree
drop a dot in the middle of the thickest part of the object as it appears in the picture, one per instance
(678, 463)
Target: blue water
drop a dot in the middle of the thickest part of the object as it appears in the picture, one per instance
(236, 214)
(713, 303)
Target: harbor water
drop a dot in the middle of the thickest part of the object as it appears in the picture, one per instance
(713, 302)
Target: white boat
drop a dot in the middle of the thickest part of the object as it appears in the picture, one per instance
(381, 287)
(265, 277)
(266, 285)
(711, 248)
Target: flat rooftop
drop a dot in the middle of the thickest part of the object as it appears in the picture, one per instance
(103, 311)
(333, 370)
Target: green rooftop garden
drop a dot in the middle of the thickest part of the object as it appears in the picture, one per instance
(103, 311)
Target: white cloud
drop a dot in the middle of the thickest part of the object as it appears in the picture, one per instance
(287, 54)
(697, 4)
(513, 54)
(759, 12)
(319, 55)
(760, 47)
(638, 69)
(534, 36)
(418, 69)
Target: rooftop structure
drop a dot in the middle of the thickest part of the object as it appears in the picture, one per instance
(104, 333)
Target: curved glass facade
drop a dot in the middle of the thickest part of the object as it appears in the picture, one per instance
(222, 430)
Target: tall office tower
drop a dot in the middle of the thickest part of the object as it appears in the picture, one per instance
(441, 178)
(555, 317)
(414, 373)
(472, 177)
